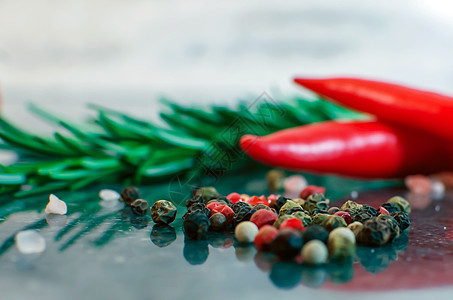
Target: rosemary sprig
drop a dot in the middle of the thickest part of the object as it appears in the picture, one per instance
(115, 147)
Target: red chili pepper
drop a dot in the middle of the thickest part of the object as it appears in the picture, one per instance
(423, 110)
(359, 149)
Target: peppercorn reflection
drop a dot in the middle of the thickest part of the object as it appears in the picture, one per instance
(162, 235)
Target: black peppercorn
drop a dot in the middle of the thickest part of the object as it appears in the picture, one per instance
(316, 201)
(244, 214)
(319, 211)
(332, 222)
(361, 217)
(280, 202)
(315, 232)
(129, 194)
(218, 221)
(194, 200)
(200, 207)
(140, 207)
(287, 244)
(196, 225)
(240, 205)
(369, 210)
(393, 226)
(163, 211)
(375, 232)
(390, 207)
(403, 219)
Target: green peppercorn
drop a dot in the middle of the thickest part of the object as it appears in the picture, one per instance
(287, 244)
(162, 235)
(315, 232)
(140, 207)
(319, 211)
(299, 201)
(393, 225)
(332, 222)
(129, 194)
(280, 202)
(355, 227)
(316, 201)
(263, 206)
(207, 193)
(403, 219)
(361, 217)
(282, 219)
(375, 232)
(296, 209)
(401, 203)
(163, 211)
(287, 207)
(333, 210)
(218, 221)
(196, 225)
(319, 218)
(341, 247)
(390, 207)
(351, 207)
(304, 217)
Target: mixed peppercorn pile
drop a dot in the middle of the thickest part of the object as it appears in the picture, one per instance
(304, 228)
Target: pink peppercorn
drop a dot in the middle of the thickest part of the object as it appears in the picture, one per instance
(345, 215)
(265, 236)
(383, 211)
(272, 199)
(263, 217)
(311, 189)
(254, 200)
(234, 197)
(224, 210)
(211, 205)
(292, 224)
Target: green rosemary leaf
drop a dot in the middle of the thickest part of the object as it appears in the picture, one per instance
(169, 168)
(96, 164)
(50, 187)
(12, 178)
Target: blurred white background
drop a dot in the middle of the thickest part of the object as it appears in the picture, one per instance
(61, 54)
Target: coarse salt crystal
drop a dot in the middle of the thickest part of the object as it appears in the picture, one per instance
(109, 195)
(56, 206)
(30, 241)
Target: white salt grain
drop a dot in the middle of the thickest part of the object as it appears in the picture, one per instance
(30, 241)
(56, 206)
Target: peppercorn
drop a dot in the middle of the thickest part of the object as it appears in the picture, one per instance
(207, 193)
(265, 236)
(234, 197)
(245, 232)
(200, 207)
(354, 206)
(355, 227)
(287, 244)
(310, 190)
(275, 180)
(333, 210)
(244, 213)
(226, 211)
(217, 201)
(263, 217)
(162, 235)
(403, 219)
(218, 221)
(272, 199)
(375, 232)
(194, 200)
(287, 207)
(316, 201)
(262, 206)
(344, 232)
(393, 226)
(304, 217)
(319, 211)
(140, 207)
(390, 207)
(340, 247)
(279, 203)
(369, 210)
(361, 217)
(319, 218)
(345, 215)
(240, 205)
(196, 225)
(296, 209)
(129, 194)
(163, 211)
(281, 219)
(401, 203)
(254, 200)
(314, 253)
(383, 211)
(315, 232)
(211, 205)
(295, 224)
(332, 222)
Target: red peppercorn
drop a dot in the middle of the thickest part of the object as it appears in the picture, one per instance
(312, 189)
(226, 211)
(211, 205)
(265, 236)
(292, 224)
(382, 210)
(254, 200)
(345, 215)
(263, 217)
(234, 197)
(272, 199)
